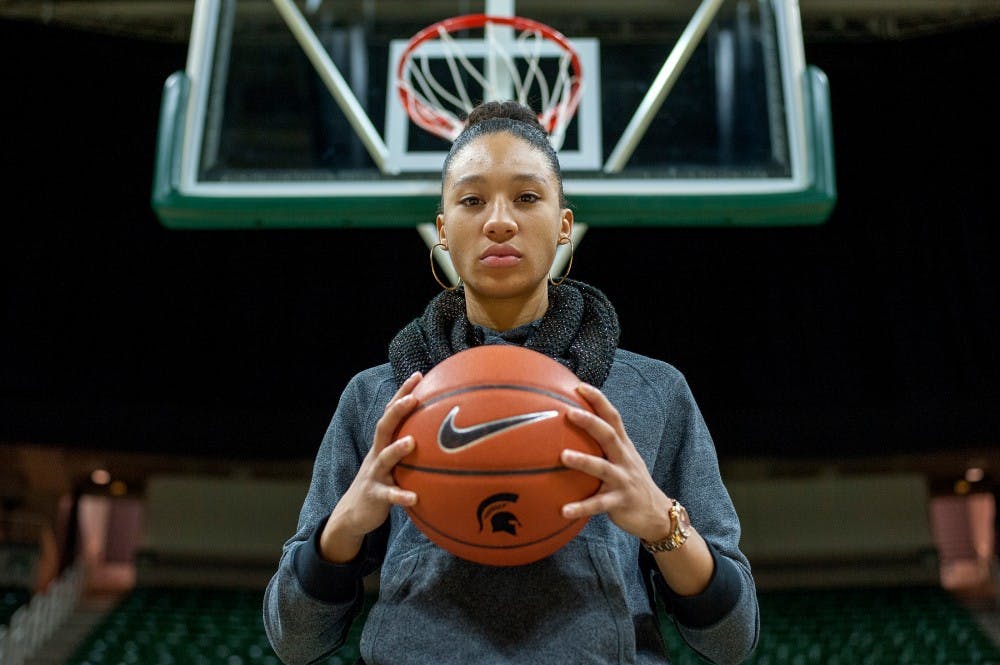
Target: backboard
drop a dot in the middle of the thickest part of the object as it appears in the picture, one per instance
(692, 113)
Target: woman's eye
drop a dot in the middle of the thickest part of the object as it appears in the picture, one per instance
(470, 200)
(527, 197)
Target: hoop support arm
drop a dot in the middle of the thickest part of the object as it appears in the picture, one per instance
(662, 85)
(335, 83)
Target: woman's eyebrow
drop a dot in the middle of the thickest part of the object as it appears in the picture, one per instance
(467, 179)
(530, 177)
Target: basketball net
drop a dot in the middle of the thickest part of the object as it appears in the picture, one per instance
(514, 48)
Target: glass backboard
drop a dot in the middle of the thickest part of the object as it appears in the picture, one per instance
(691, 113)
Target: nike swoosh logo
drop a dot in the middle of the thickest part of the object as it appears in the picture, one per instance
(453, 438)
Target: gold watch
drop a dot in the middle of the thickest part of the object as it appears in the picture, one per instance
(679, 522)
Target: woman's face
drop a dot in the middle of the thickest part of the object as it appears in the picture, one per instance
(501, 219)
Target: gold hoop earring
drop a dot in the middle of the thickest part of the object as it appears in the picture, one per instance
(434, 272)
(564, 240)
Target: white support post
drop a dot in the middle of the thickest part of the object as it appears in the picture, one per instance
(496, 71)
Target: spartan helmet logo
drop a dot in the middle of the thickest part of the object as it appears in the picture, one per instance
(495, 509)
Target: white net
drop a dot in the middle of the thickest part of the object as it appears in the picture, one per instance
(442, 79)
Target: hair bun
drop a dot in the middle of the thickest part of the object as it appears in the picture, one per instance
(509, 109)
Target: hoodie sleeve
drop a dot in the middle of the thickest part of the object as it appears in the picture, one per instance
(723, 622)
(310, 603)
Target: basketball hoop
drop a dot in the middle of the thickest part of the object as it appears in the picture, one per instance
(516, 61)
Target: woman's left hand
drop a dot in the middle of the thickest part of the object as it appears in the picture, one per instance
(627, 494)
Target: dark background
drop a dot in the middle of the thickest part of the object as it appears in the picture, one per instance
(874, 333)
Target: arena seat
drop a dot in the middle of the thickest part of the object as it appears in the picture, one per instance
(182, 626)
(860, 626)
(856, 626)
(187, 621)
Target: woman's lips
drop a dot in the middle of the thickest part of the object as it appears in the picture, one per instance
(499, 256)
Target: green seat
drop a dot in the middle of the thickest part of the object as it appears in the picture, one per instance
(871, 626)
(828, 627)
(172, 626)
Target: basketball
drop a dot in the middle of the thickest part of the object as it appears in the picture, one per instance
(489, 428)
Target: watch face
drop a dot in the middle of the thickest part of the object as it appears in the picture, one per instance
(682, 517)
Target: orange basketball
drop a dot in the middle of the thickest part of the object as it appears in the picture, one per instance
(489, 429)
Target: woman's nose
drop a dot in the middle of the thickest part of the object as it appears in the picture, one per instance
(501, 225)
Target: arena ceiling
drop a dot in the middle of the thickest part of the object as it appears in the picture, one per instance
(170, 20)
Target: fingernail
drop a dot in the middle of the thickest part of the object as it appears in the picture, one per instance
(569, 511)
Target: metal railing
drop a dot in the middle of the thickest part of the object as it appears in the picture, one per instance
(34, 623)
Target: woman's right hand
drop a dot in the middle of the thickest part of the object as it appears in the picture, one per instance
(366, 503)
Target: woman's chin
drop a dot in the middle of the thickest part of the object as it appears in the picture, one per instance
(508, 287)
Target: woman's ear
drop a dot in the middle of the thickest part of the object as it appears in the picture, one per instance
(566, 223)
(440, 228)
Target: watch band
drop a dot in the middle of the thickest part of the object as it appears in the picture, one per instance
(678, 534)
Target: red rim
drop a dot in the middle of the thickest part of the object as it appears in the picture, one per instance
(432, 120)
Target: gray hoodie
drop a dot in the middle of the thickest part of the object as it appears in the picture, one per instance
(590, 602)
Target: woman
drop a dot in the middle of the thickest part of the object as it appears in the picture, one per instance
(502, 217)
